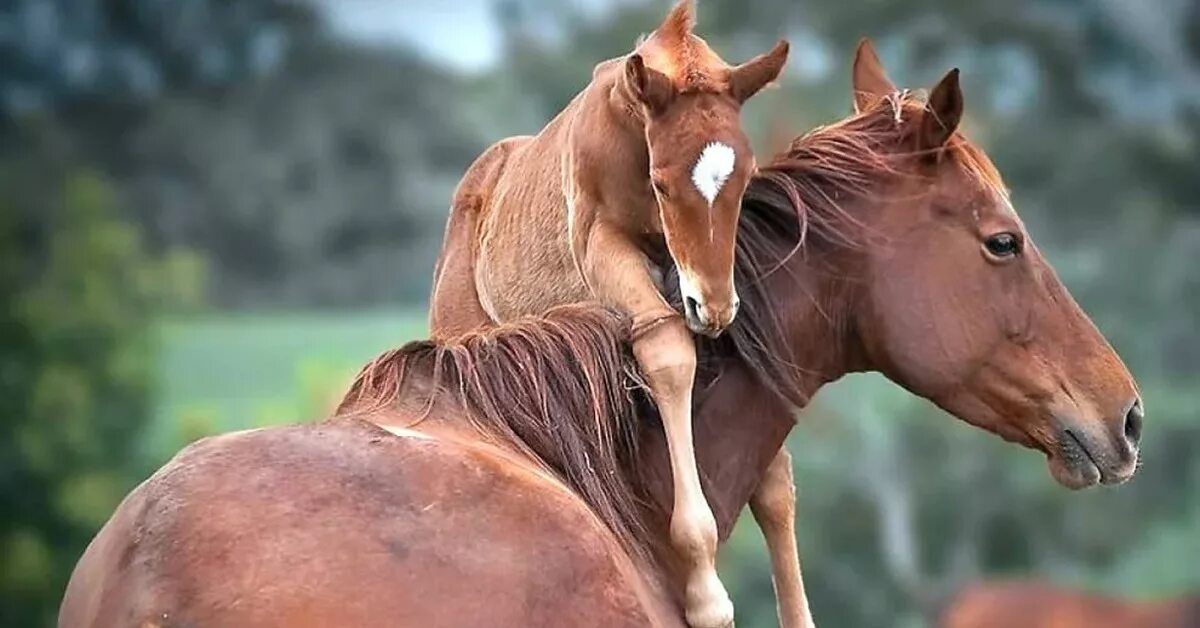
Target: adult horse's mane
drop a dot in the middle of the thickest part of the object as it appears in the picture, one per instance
(798, 200)
(562, 388)
(557, 388)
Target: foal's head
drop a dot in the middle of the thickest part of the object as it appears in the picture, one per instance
(700, 159)
(961, 307)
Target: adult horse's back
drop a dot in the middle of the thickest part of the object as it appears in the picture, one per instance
(346, 523)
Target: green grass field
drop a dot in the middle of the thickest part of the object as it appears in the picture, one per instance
(243, 370)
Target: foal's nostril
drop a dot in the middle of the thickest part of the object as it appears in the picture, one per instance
(692, 308)
(1133, 423)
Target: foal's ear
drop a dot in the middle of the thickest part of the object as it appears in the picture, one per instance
(943, 112)
(651, 87)
(870, 81)
(748, 78)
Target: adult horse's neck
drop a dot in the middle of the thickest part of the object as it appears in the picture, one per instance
(746, 409)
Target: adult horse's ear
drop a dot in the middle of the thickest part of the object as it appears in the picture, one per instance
(871, 82)
(651, 87)
(748, 78)
(943, 112)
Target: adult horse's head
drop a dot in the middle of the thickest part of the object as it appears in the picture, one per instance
(963, 309)
(945, 291)
(700, 159)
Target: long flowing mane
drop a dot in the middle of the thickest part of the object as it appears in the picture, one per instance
(563, 388)
(558, 389)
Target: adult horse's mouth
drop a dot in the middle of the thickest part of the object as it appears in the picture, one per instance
(1073, 465)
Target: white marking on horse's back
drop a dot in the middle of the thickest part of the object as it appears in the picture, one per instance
(713, 169)
(405, 432)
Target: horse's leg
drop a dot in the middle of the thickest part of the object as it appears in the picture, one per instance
(663, 346)
(774, 506)
(667, 357)
(454, 306)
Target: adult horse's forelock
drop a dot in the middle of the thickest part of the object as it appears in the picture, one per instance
(558, 389)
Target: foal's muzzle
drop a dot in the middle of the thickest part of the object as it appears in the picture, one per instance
(704, 319)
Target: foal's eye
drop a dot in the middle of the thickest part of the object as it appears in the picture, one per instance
(1003, 245)
(660, 188)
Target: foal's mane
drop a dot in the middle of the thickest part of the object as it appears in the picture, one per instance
(561, 388)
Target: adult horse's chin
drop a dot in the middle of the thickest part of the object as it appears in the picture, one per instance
(1079, 454)
(1080, 460)
(1073, 473)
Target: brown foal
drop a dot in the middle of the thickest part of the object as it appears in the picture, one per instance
(652, 149)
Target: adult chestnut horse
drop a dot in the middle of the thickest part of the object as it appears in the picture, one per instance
(1043, 605)
(506, 478)
(651, 149)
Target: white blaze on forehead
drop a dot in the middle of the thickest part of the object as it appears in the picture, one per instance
(712, 169)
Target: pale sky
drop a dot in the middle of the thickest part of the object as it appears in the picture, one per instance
(461, 32)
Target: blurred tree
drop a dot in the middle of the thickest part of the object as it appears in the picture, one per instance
(308, 172)
(76, 366)
(67, 52)
(325, 184)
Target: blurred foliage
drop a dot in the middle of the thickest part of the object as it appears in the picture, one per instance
(224, 372)
(309, 172)
(71, 52)
(77, 368)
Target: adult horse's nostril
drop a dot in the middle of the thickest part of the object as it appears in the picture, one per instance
(1133, 423)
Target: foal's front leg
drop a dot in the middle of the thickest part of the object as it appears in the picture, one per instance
(618, 273)
(667, 356)
(774, 507)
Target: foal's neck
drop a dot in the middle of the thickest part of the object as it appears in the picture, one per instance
(607, 126)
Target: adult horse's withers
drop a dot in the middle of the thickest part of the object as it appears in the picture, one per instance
(651, 149)
(505, 478)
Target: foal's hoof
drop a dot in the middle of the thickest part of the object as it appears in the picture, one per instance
(712, 616)
(708, 604)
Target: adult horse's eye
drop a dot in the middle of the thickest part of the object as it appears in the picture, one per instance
(1003, 245)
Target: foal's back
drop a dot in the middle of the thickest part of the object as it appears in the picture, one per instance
(518, 190)
(345, 524)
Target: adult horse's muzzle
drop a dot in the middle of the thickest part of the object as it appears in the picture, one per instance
(1084, 457)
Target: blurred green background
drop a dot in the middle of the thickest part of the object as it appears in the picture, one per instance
(211, 213)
